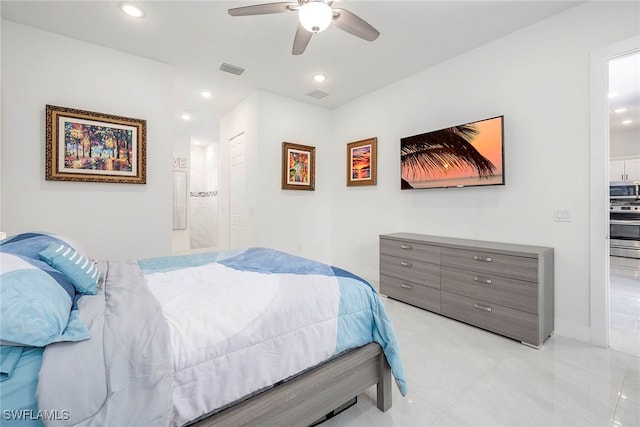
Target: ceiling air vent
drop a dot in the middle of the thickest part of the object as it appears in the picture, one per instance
(232, 69)
(317, 94)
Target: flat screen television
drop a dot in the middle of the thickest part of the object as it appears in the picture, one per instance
(466, 155)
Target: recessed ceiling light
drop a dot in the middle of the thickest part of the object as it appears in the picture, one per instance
(186, 116)
(627, 122)
(620, 110)
(319, 78)
(205, 94)
(132, 10)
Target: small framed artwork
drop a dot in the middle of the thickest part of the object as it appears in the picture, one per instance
(362, 162)
(298, 167)
(94, 147)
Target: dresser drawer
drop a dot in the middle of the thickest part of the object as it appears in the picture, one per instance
(505, 321)
(512, 293)
(516, 267)
(411, 293)
(408, 269)
(410, 250)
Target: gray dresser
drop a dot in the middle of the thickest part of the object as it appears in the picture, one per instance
(504, 288)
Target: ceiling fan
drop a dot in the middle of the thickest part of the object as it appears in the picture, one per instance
(315, 16)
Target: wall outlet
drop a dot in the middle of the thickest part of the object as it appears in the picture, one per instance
(562, 215)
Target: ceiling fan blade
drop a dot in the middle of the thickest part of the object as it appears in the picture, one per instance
(353, 24)
(261, 9)
(301, 40)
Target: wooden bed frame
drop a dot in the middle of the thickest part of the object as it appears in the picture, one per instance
(313, 394)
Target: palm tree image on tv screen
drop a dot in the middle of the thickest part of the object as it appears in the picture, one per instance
(459, 156)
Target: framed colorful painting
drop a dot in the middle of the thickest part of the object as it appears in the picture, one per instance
(94, 147)
(362, 162)
(298, 167)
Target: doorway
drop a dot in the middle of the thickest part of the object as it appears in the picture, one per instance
(599, 189)
(624, 157)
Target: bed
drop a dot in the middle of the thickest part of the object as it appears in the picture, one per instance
(240, 337)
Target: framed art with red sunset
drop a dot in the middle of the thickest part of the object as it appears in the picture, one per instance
(362, 162)
(466, 155)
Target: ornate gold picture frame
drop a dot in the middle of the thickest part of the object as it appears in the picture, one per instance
(94, 147)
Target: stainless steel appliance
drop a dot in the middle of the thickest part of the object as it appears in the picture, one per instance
(624, 219)
(624, 190)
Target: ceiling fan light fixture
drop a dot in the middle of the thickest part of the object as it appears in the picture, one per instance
(315, 16)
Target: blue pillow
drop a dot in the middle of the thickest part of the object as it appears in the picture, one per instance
(37, 304)
(83, 273)
(31, 244)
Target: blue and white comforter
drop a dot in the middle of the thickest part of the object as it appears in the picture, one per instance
(234, 322)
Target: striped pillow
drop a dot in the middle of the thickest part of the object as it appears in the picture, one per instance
(81, 272)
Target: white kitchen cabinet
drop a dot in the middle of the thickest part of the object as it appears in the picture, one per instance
(624, 169)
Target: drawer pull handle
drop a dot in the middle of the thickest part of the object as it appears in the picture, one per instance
(482, 307)
(482, 258)
(482, 280)
(406, 264)
(406, 286)
(407, 247)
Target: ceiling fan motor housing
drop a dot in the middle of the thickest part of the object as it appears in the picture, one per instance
(315, 16)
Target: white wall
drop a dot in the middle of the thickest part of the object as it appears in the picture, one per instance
(1, 223)
(625, 143)
(297, 222)
(539, 79)
(111, 220)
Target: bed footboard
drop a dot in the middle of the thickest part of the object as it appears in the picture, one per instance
(310, 396)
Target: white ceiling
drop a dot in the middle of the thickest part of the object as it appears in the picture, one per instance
(624, 92)
(196, 37)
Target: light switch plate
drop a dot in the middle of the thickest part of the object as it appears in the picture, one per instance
(562, 215)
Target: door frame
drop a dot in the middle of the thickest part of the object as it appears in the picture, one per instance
(599, 185)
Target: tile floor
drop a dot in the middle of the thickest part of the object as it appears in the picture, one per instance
(624, 305)
(459, 375)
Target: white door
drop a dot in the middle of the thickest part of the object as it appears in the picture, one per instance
(237, 200)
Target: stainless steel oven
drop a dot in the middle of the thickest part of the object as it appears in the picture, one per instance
(624, 219)
(625, 237)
